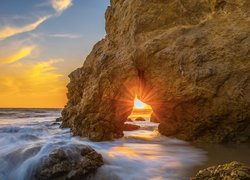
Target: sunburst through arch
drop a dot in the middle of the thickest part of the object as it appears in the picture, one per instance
(140, 109)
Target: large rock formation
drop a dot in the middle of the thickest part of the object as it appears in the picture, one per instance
(189, 60)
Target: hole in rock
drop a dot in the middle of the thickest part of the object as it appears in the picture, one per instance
(140, 110)
(140, 117)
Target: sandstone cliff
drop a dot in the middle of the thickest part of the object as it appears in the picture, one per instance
(190, 60)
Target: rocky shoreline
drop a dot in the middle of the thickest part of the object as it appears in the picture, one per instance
(188, 60)
(81, 162)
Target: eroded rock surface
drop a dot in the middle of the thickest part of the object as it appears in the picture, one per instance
(233, 170)
(189, 60)
(73, 163)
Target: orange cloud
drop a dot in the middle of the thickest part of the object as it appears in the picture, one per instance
(32, 85)
(16, 56)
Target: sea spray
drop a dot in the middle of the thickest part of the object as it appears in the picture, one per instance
(141, 154)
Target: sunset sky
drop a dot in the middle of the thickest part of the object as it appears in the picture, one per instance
(41, 42)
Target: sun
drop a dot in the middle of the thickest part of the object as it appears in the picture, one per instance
(140, 109)
(139, 104)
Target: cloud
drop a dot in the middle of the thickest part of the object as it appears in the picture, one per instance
(32, 84)
(9, 31)
(61, 5)
(58, 5)
(70, 36)
(44, 67)
(16, 56)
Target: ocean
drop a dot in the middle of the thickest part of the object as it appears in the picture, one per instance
(28, 135)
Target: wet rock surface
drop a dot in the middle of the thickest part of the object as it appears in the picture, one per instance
(59, 119)
(233, 170)
(189, 60)
(130, 127)
(72, 163)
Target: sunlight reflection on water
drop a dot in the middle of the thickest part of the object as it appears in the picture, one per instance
(143, 154)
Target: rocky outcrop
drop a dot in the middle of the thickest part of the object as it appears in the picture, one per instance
(76, 163)
(233, 170)
(189, 60)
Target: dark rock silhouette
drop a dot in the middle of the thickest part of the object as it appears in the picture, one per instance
(130, 127)
(140, 119)
(189, 60)
(129, 120)
(76, 163)
(59, 119)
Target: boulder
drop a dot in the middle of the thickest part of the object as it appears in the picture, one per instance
(59, 119)
(140, 119)
(129, 120)
(233, 170)
(189, 60)
(130, 127)
(72, 163)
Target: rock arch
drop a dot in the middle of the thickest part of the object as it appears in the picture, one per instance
(188, 60)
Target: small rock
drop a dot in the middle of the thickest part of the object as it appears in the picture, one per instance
(233, 170)
(129, 120)
(130, 127)
(140, 119)
(54, 124)
(59, 119)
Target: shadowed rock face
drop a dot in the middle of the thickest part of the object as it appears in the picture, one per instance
(189, 60)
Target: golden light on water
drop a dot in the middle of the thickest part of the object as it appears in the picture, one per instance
(122, 150)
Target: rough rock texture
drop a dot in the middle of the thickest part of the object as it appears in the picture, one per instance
(76, 163)
(130, 127)
(189, 60)
(229, 171)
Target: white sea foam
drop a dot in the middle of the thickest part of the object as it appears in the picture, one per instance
(141, 154)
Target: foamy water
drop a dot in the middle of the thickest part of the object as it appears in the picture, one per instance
(26, 136)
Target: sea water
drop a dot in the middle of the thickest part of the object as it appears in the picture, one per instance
(28, 135)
